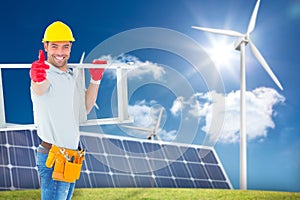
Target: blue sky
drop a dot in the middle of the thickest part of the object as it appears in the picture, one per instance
(273, 128)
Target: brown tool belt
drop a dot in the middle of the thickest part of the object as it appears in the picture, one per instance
(67, 163)
(45, 148)
(46, 145)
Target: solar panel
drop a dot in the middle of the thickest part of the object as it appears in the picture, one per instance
(115, 161)
(17, 160)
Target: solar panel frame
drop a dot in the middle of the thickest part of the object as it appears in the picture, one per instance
(161, 172)
(116, 161)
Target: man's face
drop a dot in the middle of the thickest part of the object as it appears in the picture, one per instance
(58, 53)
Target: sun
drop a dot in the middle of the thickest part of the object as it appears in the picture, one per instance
(226, 59)
(222, 53)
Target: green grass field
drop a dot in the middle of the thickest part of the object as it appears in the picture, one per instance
(154, 193)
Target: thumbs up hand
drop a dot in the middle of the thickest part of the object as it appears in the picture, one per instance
(38, 69)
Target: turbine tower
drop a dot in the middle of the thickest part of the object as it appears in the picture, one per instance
(242, 41)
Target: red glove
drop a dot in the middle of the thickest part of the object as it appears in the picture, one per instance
(97, 73)
(38, 69)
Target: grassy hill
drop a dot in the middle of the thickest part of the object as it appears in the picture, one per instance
(156, 193)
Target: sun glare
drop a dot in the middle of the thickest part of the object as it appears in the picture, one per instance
(225, 57)
(222, 53)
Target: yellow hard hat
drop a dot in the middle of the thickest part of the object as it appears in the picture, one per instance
(58, 31)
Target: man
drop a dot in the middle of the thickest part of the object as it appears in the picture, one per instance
(54, 94)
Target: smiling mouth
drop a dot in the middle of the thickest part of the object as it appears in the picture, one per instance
(59, 58)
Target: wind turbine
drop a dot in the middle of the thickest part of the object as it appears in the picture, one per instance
(242, 41)
(153, 131)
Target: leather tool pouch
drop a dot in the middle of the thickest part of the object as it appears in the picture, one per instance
(67, 163)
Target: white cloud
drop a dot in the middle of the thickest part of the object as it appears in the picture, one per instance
(146, 68)
(177, 106)
(141, 112)
(167, 135)
(139, 69)
(260, 103)
(145, 115)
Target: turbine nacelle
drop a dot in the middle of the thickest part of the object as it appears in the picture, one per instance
(239, 41)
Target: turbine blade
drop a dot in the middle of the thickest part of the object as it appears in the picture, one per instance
(138, 128)
(158, 138)
(82, 57)
(158, 119)
(252, 22)
(260, 58)
(219, 31)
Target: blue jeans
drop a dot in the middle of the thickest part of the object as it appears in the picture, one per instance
(51, 189)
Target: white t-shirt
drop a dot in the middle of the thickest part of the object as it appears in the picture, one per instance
(57, 112)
